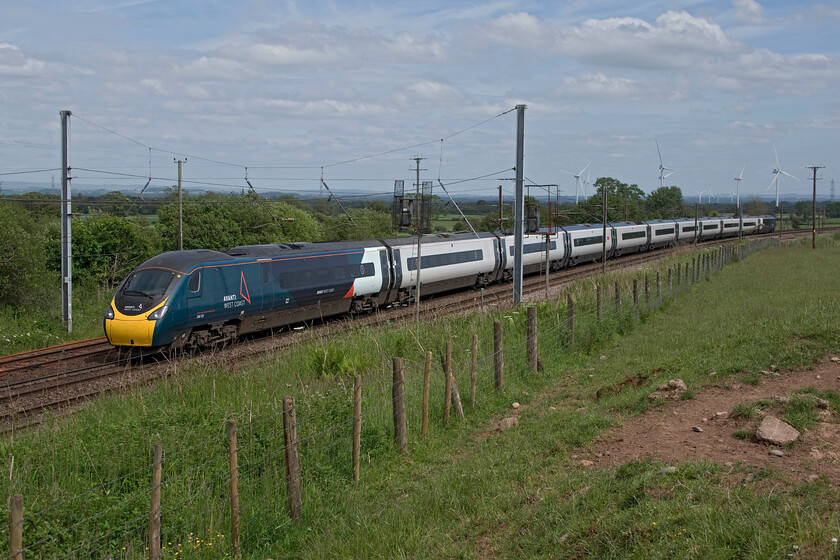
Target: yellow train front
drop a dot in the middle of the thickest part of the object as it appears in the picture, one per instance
(147, 310)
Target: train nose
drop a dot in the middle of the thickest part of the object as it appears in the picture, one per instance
(130, 331)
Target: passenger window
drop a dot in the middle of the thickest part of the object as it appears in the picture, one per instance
(195, 282)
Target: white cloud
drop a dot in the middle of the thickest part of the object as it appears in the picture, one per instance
(13, 62)
(825, 11)
(749, 12)
(323, 108)
(677, 40)
(315, 45)
(427, 91)
(215, 68)
(519, 29)
(285, 55)
(798, 73)
(598, 86)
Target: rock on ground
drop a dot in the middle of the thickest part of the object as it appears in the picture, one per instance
(776, 431)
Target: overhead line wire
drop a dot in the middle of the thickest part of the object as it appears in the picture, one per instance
(30, 171)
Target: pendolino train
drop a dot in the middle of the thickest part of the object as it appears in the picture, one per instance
(199, 298)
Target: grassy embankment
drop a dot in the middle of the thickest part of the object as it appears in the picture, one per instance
(38, 325)
(466, 491)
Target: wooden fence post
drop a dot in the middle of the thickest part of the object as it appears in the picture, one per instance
(598, 302)
(447, 383)
(154, 514)
(293, 497)
(531, 341)
(427, 380)
(498, 357)
(679, 275)
(658, 287)
(636, 298)
(398, 392)
(357, 425)
(473, 369)
(16, 528)
(570, 319)
(647, 290)
(234, 489)
(617, 297)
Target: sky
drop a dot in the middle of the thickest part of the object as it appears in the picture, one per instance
(288, 93)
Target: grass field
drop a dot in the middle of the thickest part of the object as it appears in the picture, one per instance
(467, 491)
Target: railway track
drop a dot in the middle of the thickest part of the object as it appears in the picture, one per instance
(61, 377)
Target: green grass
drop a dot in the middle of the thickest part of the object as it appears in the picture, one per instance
(467, 491)
(38, 325)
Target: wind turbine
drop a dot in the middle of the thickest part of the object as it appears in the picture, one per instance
(738, 192)
(776, 172)
(662, 168)
(577, 181)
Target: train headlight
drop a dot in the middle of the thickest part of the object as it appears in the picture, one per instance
(158, 313)
(109, 313)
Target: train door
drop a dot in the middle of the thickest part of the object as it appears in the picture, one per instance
(205, 292)
(267, 283)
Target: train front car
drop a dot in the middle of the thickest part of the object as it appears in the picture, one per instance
(144, 300)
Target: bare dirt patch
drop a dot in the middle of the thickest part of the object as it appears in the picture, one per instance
(668, 434)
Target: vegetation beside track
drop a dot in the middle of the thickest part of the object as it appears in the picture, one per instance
(467, 491)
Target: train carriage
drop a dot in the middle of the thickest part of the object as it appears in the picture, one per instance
(686, 230)
(585, 242)
(630, 237)
(448, 261)
(749, 225)
(768, 224)
(730, 227)
(208, 297)
(663, 233)
(709, 228)
(533, 252)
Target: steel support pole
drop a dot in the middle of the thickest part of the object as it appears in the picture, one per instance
(519, 205)
(66, 234)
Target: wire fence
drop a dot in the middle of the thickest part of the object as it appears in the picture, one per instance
(208, 496)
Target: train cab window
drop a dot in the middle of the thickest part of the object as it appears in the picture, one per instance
(195, 282)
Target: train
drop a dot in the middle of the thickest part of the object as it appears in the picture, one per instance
(201, 298)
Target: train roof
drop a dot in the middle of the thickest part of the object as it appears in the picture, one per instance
(625, 224)
(578, 227)
(280, 249)
(182, 261)
(436, 238)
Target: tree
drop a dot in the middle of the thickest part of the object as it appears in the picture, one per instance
(105, 249)
(665, 202)
(366, 224)
(219, 221)
(755, 207)
(22, 257)
(803, 208)
(624, 202)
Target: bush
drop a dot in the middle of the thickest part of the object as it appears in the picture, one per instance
(105, 248)
(22, 257)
